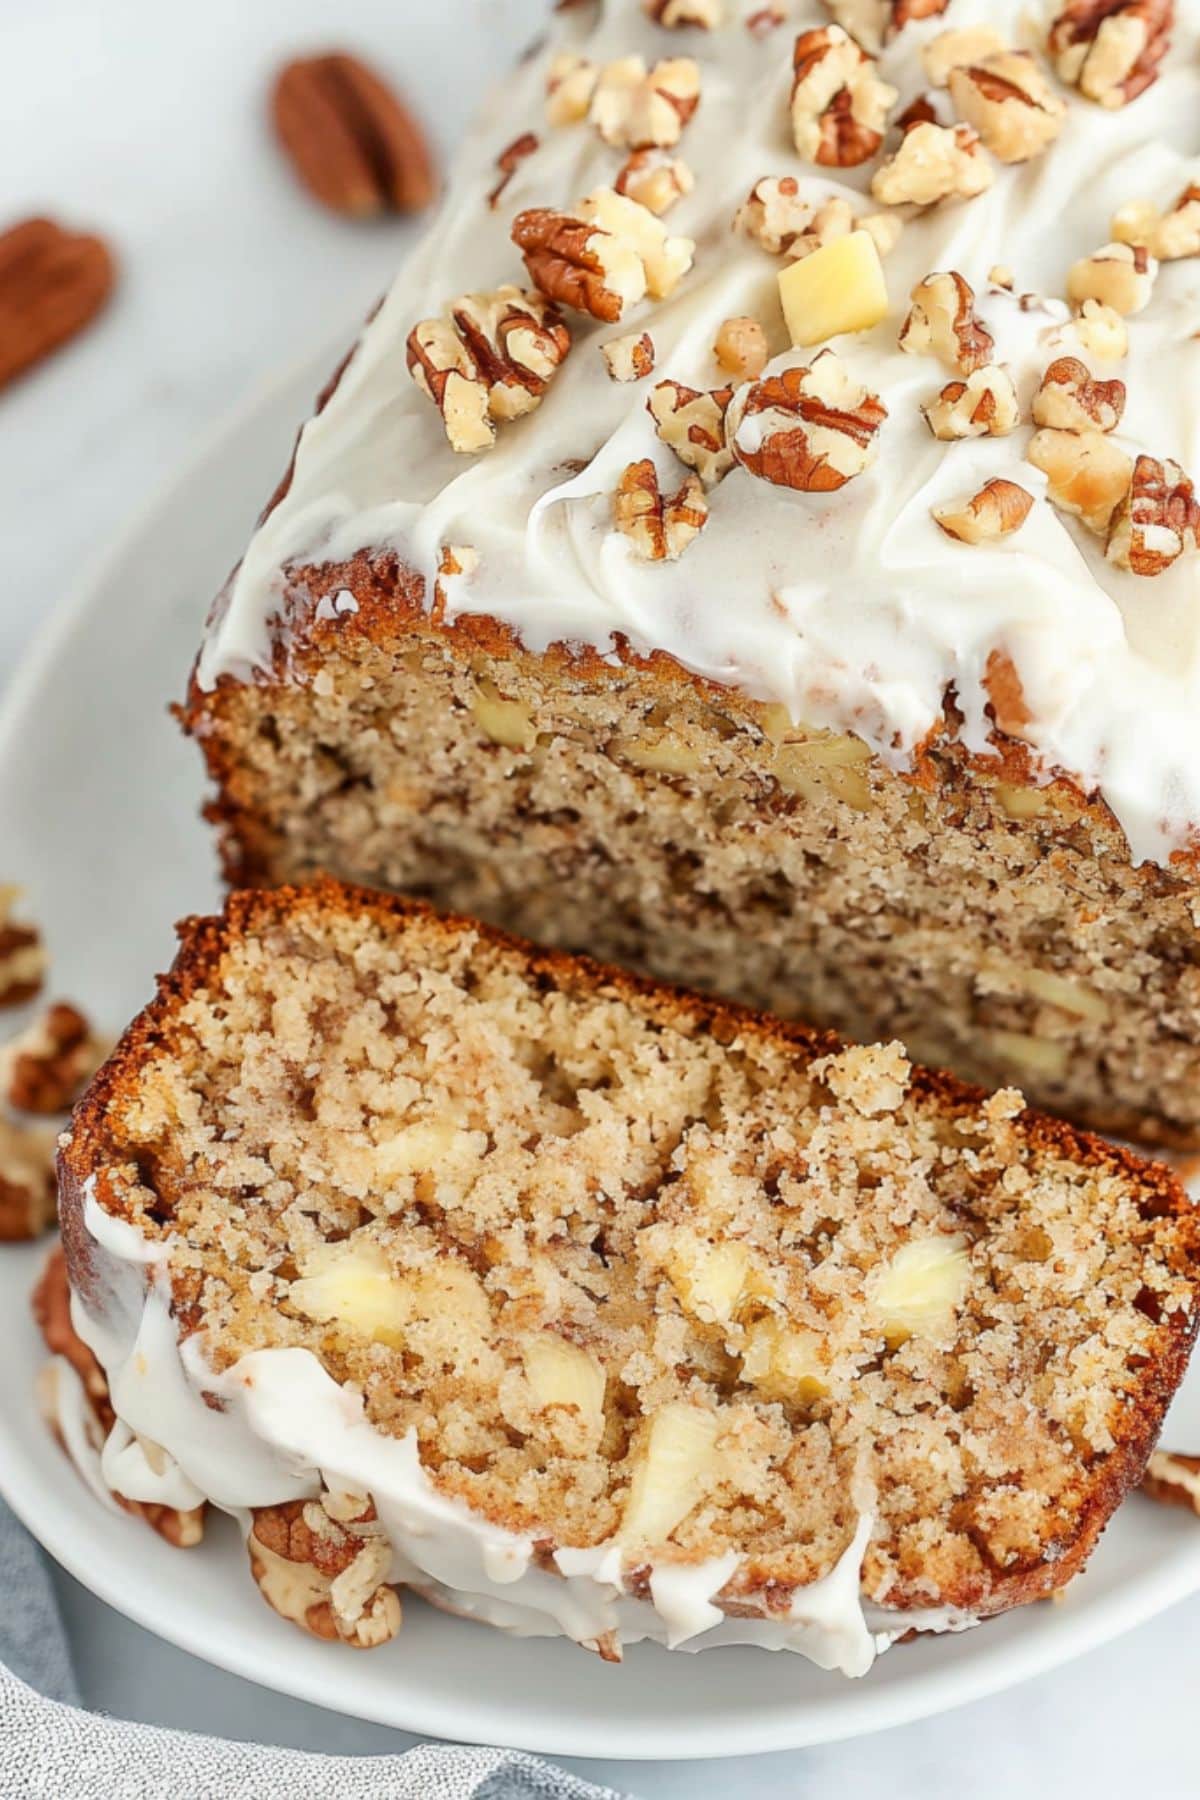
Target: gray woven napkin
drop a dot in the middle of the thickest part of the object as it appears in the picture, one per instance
(50, 1749)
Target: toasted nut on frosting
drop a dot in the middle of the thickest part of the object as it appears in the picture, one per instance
(660, 527)
(629, 358)
(1110, 49)
(1086, 473)
(27, 1189)
(326, 1572)
(570, 84)
(693, 424)
(809, 428)
(606, 255)
(1173, 1479)
(984, 405)
(1098, 331)
(1169, 235)
(740, 348)
(634, 107)
(931, 163)
(1157, 519)
(955, 49)
(871, 21)
(839, 105)
(22, 955)
(488, 359)
(776, 216)
(46, 1068)
(1071, 399)
(655, 180)
(941, 322)
(705, 15)
(1010, 102)
(997, 510)
(1117, 275)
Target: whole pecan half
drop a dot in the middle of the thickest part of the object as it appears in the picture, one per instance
(52, 283)
(353, 143)
(1110, 49)
(810, 428)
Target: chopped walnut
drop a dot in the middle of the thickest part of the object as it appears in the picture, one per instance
(997, 510)
(955, 49)
(1098, 331)
(1110, 49)
(22, 955)
(655, 180)
(1010, 103)
(705, 15)
(873, 21)
(809, 428)
(1117, 275)
(741, 348)
(1157, 519)
(488, 359)
(984, 405)
(660, 527)
(27, 1187)
(327, 1574)
(46, 1068)
(510, 160)
(941, 322)
(775, 216)
(1070, 398)
(931, 163)
(604, 257)
(629, 358)
(1086, 473)
(1167, 236)
(570, 84)
(692, 422)
(634, 108)
(839, 105)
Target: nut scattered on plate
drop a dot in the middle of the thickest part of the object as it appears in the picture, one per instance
(351, 140)
(53, 282)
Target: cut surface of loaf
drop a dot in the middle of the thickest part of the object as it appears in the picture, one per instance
(635, 1288)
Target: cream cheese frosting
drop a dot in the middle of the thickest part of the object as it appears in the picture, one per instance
(851, 609)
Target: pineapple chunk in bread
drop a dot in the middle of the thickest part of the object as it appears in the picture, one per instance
(643, 1286)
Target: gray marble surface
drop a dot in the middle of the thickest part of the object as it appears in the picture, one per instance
(146, 121)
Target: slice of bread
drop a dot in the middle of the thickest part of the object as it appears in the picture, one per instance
(637, 1285)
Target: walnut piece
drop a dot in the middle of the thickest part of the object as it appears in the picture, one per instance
(324, 1564)
(634, 107)
(704, 15)
(1098, 331)
(27, 1187)
(1010, 103)
(22, 955)
(655, 180)
(941, 322)
(741, 348)
(776, 216)
(629, 358)
(660, 527)
(1157, 519)
(605, 256)
(46, 1068)
(984, 405)
(839, 105)
(692, 423)
(1086, 473)
(488, 359)
(1110, 49)
(1071, 399)
(871, 22)
(1117, 275)
(955, 49)
(811, 428)
(995, 511)
(570, 84)
(932, 163)
(1167, 236)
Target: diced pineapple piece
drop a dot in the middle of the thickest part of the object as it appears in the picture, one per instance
(664, 756)
(782, 1362)
(709, 1278)
(433, 1145)
(840, 287)
(562, 1374)
(918, 1293)
(826, 766)
(677, 1462)
(355, 1285)
(1031, 1055)
(506, 722)
(1056, 990)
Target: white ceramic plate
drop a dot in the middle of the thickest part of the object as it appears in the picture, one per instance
(99, 805)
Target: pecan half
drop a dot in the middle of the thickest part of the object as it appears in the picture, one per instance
(839, 105)
(1173, 1479)
(1157, 519)
(809, 428)
(1117, 275)
(510, 160)
(932, 163)
(635, 108)
(1110, 49)
(27, 1187)
(1086, 474)
(52, 283)
(660, 527)
(46, 1068)
(655, 180)
(704, 15)
(1168, 236)
(326, 1573)
(995, 511)
(871, 22)
(22, 955)
(488, 359)
(351, 140)
(941, 322)
(570, 83)
(629, 358)
(1009, 101)
(692, 422)
(1070, 398)
(603, 257)
(984, 405)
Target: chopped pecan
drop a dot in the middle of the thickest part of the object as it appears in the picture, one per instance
(1010, 103)
(603, 257)
(741, 348)
(984, 405)
(510, 160)
(1070, 398)
(941, 322)
(1173, 1479)
(629, 358)
(1167, 236)
(692, 422)
(1157, 519)
(1098, 331)
(873, 21)
(489, 358)
(1110, 49)
(1086, 474)
(931, 163)
(660, 527)
(570, 83)
(995, 511)
(810, 428)
(952, 49)
(655, 180)
(635, 108)
(27, 1187)
(1006, 693)
(325, 1565)
(22, 955)
(1117, 275)
(775, 216)
(52, 283)
(351, 140)
(46, 1068)
(921, 111)
(839, 105)
(767, 19)
(705, 15)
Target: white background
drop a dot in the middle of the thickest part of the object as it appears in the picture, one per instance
(144, 119)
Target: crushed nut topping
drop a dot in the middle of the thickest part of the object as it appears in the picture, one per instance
(1156, 520)
(997, 510)
(741, 348)
(655, 180)
(692, 422)
(1117, 275)
(955, 49)
(775, 216)
(931, 163)
(941, 322)
(510, 160)
(634, 108)
(705, 15)
(984, 405)
(1110, 49)
(570, 84)
(839, 105)
(22, 955)
(46, 1068)
(629, 358)
(605, 256)
(811, 428)
(1087, 475)
(27, 1189)
(488, 359)
(1167, 236)
(326, 1573)
(1098, 331)
(660, 527)
(1070, 398)
(873, 21)
(1010, 103)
